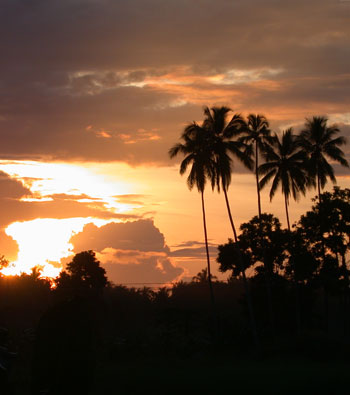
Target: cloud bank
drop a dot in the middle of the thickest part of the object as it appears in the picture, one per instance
(121, 79)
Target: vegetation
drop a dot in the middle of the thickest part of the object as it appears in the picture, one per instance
(73, 334)
(318, 142)
(286, 166)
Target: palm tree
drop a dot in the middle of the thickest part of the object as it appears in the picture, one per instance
(317, 139)
(202, 277)
(222, 149)
(285, 164)
(196, 149)
(256, 132)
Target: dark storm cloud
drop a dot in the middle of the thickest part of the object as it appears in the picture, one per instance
(79, 79)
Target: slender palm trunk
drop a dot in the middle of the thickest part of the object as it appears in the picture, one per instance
(267, 273)
(287, 214)
(230, 216)
(207, 251)
(296, 285)
(257, 177)
(319, 188)
(245, 281)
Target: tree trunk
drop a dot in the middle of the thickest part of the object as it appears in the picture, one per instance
(319, 188)
(245, 281)
(286, 205)
(207, 251)
(297, 307)
(257, 178)
(267, 274)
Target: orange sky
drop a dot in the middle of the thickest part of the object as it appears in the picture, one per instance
(89, 112)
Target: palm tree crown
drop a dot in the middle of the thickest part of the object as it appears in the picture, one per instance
(221, 144)
(285, 164)
(319, 142)
(196, 150)
(256, 132)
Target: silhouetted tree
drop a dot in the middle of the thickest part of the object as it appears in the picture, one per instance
(262, 241)
(83, 276)
(326, 229)
(318, 142)
(285, 164)
(196, 148)
(222, 147)
(202, 277)
(256, 132)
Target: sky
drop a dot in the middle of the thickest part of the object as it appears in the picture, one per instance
(95, 92)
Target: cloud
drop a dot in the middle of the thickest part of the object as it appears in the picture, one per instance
(194, 252)
(131, 252)
(121, 80)
(139, 235)
(138, 267)
(19, 204)
(134, 199)
(8, 246)
(11, 188)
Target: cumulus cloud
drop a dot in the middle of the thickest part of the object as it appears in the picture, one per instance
(131, 252)
(138, 267)
(139, 235)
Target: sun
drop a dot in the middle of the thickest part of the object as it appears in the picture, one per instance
(43, 243)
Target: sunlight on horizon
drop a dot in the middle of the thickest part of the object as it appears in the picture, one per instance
(43, 243)
(153, 192)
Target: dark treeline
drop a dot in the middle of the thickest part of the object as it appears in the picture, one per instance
(60, 336)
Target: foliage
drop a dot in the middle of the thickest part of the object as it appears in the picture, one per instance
(83, 275)
(222, 145)
(256, 131)
(327, 225)
(301, 265)
(286, 166)
(318, 141)
(202, 277)
(261, 240)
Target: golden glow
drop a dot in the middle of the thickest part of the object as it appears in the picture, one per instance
(43, 243)
(46, 179)
(160, 193)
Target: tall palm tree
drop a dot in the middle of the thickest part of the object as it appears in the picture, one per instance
(196, 148)
(222, 148)
(285, 164)
(257, 133)
(317, 139)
